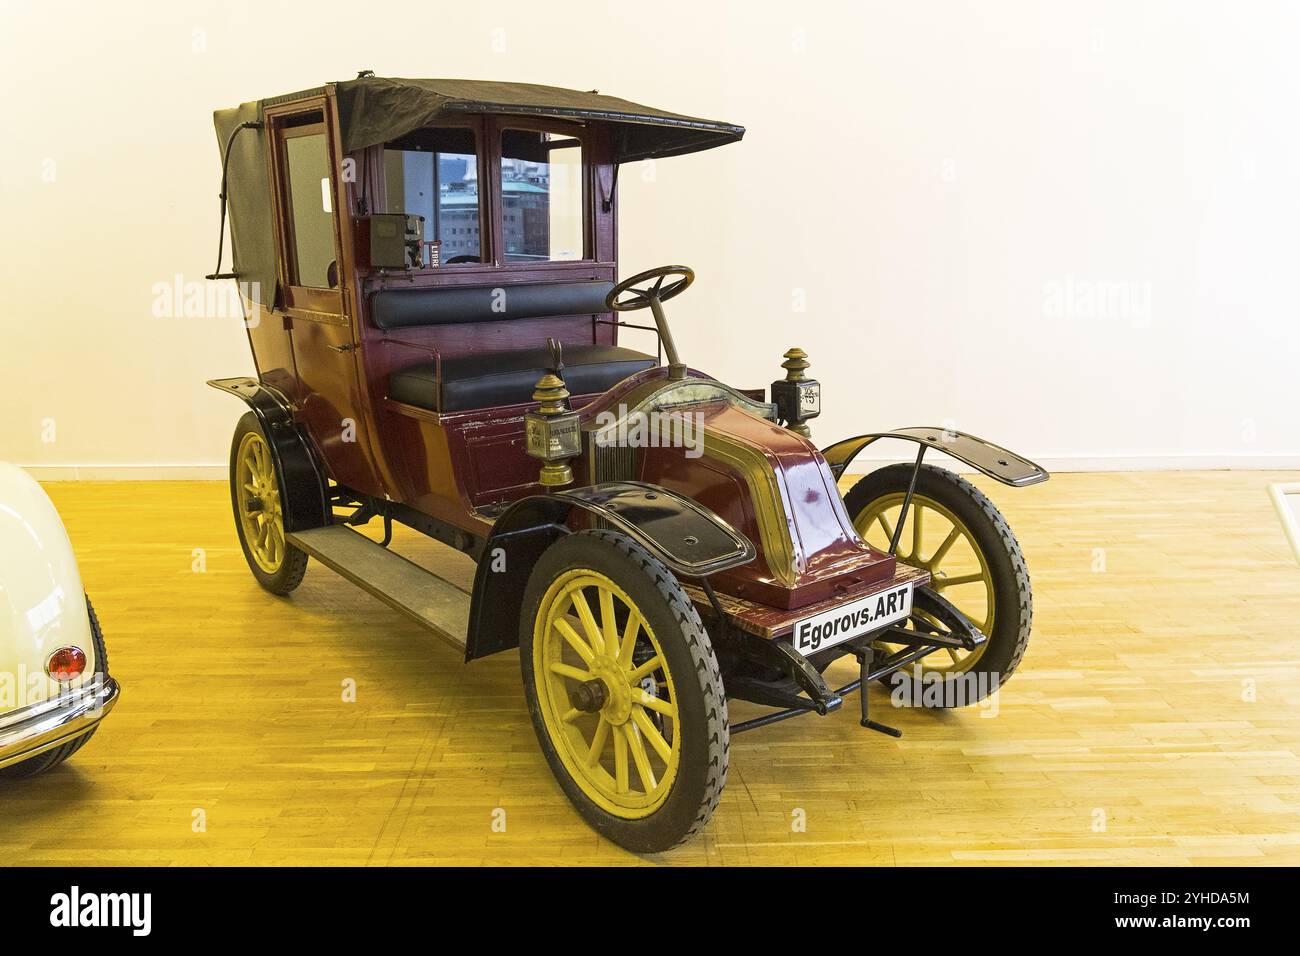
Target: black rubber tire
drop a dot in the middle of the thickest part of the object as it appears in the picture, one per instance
(702, 703)
(1013, 598)
(97, 635)
(289, 575)
(50, 759)
(47, 761)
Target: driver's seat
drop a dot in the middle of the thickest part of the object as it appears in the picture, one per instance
(491, 379)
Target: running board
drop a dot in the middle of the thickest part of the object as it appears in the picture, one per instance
(421, 595)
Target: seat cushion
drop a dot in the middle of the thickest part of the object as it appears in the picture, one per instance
(489, 379)
(400, 308)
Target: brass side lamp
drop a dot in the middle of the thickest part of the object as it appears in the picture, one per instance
(552, 433)
(798, 398)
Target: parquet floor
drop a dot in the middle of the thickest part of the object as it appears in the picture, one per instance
(1155, 720)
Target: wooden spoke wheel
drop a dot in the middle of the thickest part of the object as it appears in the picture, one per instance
(617, 735)
(624, 690)
(936, 539)
(953, 531)
(259, 517)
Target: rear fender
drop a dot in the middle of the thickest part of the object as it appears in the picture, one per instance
(42, 603)
(689, 539)
(304, 496)
(984, 456)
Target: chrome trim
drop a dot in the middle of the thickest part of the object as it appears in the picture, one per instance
(33, 730)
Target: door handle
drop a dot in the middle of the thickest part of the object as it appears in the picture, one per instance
(345, 347)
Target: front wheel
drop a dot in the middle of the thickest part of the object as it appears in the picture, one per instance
(624, 690)
(953, 531)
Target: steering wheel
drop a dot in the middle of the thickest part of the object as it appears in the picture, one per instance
(624, 297)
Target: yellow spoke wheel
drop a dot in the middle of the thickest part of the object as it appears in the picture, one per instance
(614, 721)
(957, 534)
(259, 511)
(257, 500)
(624, 690)
(936, 539)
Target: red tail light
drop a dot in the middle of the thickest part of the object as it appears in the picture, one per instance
(66, 664)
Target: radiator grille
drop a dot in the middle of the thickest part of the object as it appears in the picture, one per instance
(612, 463)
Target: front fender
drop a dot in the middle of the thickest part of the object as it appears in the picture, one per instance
(688, 538)
(984, 456)
(42, 602)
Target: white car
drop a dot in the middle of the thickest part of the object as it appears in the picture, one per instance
(54, 683)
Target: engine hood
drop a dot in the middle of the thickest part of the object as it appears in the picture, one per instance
(767, 481)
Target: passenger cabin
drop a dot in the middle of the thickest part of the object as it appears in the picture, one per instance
(406, 248)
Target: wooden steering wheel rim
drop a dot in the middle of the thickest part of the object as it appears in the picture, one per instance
(641, 297)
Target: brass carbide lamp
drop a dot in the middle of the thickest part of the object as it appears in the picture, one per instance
(552, 433)
(798, 398)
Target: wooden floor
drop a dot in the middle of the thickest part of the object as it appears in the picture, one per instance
(1155, 719)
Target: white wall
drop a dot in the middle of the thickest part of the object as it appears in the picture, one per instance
(951, 188)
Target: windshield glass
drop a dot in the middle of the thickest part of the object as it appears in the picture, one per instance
(434, 173)
(541, 196)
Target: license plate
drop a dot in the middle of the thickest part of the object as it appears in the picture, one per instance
(852, 619)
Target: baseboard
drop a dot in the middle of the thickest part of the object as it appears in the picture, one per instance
(860, 465)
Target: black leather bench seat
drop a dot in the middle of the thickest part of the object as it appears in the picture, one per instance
(489, 379)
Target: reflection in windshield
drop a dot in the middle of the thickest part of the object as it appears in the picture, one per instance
(438, 179)
(541, 196)
(433, 172)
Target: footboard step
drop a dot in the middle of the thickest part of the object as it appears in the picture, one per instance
(422, 596)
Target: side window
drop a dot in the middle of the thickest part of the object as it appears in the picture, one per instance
(434, 173)
(541, 196)
(311, 215)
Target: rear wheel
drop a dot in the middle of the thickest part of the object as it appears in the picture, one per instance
(953, 531)
(624, 690)
(259, 517)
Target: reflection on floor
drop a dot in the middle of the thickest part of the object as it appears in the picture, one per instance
(1155, 720)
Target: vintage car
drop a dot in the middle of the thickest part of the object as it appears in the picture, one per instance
(54, 683)
(430, 276)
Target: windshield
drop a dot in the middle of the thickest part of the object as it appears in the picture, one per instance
(541, 196)
(434, 174)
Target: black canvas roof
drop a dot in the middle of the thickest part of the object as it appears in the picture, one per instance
(375, 109)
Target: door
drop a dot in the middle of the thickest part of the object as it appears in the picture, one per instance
(308, 200)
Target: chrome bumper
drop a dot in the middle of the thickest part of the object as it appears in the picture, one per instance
(32, 730)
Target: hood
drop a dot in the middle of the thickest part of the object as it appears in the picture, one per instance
(768, 482)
